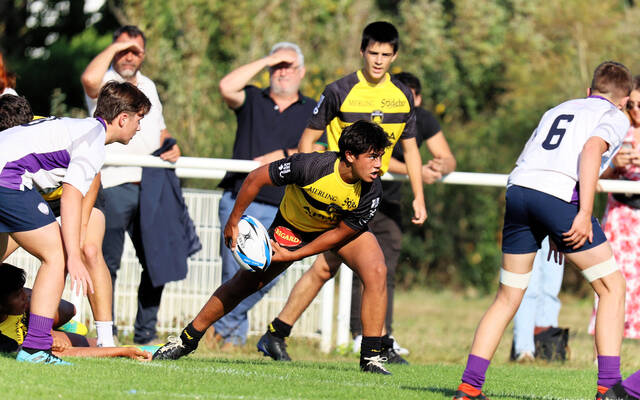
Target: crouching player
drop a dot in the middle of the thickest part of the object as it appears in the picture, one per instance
(14, 311)
(551, 192)
(46, 153)
(328, 201)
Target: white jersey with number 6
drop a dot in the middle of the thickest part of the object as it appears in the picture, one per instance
(550, 160)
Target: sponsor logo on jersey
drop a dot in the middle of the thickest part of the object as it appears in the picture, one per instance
(284, 169)
(43, 208)
(392, 103)
(377, 116)
(360, 103)
(316, 110)
(349, 204)
(322, 194)
(285, 237)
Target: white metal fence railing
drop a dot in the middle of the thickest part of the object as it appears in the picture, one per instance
(182, 300)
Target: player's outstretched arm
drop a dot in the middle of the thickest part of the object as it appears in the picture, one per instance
(256, 180)
(414, 170)
(308, 139)
(589, 168)
(328, 240)
(128, 352)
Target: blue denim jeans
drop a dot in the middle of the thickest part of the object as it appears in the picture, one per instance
(121, 214)
(540, 305)
(233, 327)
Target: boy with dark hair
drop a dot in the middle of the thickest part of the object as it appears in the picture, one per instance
(47, 153)
(14, 110)
(381, 32)
(370, 93)
(14, 310)
(551, 192)
(329, 199)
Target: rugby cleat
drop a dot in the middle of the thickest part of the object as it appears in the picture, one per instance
(173, 349)
(393, 357)
(374, 365)
(74, 326)
(468, 392)
(274, 347)
(615, 392)
(40, 357)
(601, 391)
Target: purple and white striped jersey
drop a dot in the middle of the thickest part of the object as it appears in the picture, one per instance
(48, 152)
(550, 160)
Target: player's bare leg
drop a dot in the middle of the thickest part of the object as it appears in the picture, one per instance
(504, 307)
(611, 292)
(44, 243)
(610, 288)
(309, 285)
(224, 299)
(7, 246)
(364, 256)
(102, 297)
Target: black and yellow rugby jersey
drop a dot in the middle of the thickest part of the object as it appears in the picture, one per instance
(352, 98)
(317, 199)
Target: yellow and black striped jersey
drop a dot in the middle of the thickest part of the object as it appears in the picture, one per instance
(14, 330)
(316, 198)
(352, 98)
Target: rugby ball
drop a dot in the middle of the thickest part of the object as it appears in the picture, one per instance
(253, 247)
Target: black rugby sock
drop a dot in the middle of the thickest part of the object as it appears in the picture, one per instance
(191, 336)
(279, 329)
(371, 347)
(387, 342)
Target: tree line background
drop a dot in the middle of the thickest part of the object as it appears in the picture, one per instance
(489, 69)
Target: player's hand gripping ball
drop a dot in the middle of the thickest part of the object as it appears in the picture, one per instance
(253, 247)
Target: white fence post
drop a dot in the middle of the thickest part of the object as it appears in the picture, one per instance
(344, 306)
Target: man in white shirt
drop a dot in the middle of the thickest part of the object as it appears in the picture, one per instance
(121, 61)
(551, 192)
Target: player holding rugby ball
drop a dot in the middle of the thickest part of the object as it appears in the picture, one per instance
(329, 199)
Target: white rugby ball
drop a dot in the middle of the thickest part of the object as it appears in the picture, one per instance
(253, 247)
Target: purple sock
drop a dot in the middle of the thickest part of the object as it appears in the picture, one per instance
(39, 333)
(475, 370)
(632, 384)
(608, 370)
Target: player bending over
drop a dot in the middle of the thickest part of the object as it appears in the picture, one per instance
(46, 153)
(16, 110)
(551, 192)
(329, 199)
(14, 312)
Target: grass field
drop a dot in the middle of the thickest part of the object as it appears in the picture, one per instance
(436, 327)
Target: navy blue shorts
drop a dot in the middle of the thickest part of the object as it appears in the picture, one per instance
(22, 211)
(531, 215)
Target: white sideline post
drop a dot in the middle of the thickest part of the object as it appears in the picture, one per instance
(328, 291)
(344, 306)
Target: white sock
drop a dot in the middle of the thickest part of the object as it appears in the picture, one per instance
(105, 333)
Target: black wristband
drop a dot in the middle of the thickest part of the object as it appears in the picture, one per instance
(286, 153)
